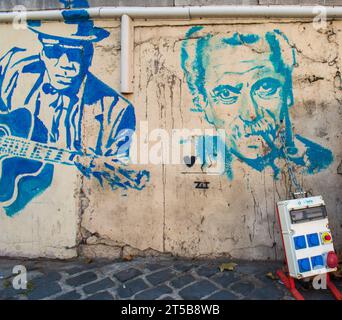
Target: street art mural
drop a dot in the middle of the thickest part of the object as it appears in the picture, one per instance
(43, 99)
(242, 84)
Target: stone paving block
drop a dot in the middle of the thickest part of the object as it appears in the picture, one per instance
(110, 268)
(74, 270)
(161, 276)
(71, 295)
(153, 293)
(225, 279)
(81, 268)
(242, 287)
(168, 298)
(50, 276)
(182, 281)
(34, 274)
(131, 287)
(182, 267)
(259, 270)
(127, 274)
(267, 293)
(197, 290)
(253, 269)
(10, 292)
(99, 286)
(44, 290)
(101, 296)
(81, 279)
(223, 295)
(154, 266)
(6, 271)
(207, 271)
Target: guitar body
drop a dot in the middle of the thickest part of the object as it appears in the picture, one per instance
(22, 179)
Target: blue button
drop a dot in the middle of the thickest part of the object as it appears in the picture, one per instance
(313, 240)
(304, 265)
(317, 262)
(299, 242)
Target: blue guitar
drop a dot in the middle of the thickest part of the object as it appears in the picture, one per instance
(27, 162)
(22, 176)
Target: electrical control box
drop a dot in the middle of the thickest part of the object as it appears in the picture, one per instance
(306, 235)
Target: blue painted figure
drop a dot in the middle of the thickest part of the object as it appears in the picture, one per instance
(50, 104)
(242, 83)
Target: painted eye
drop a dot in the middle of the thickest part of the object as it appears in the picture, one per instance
(266, 88)
(226, 94)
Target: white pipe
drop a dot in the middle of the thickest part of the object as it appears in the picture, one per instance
(146, 12)
(127, 46)
(264, 11)
(185, 12)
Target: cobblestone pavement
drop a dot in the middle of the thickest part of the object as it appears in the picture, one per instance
(147, 278)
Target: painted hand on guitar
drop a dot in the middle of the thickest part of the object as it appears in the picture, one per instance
(114, 174)
(27, 162)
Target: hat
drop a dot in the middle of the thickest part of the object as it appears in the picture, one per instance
(78, 26)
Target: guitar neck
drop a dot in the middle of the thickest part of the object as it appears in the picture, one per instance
(20, 147)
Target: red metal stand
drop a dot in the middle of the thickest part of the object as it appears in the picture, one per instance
(289, 283)
(337, 293)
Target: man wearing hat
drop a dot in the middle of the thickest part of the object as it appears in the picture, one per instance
(81, 113)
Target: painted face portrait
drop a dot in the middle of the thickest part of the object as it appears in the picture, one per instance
(242, 83)
(245, 98)
(66, 63)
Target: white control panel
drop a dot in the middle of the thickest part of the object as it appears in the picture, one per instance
(306, 235)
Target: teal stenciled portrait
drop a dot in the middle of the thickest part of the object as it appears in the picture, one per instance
(242, 84)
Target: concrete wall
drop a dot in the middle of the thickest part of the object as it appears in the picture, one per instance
(69, 212)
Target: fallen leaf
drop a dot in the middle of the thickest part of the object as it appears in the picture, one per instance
(230, 266)
(272, 276)
(128, 257)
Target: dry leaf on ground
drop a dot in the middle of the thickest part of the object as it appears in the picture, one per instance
(230, 266)
(128, 258)
(272, 276)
